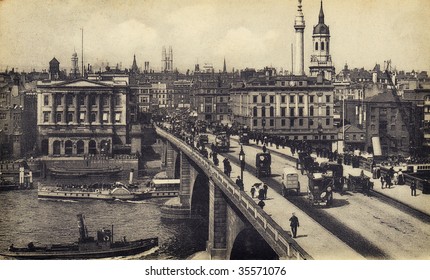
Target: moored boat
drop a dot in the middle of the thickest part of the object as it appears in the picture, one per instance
(80, 172)
(87, 247)
(117, 191)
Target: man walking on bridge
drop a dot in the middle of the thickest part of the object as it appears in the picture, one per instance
(294, 223)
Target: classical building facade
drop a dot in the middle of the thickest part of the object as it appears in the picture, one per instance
(298, 108)
(82, 117)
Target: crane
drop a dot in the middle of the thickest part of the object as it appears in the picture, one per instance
(405, 114)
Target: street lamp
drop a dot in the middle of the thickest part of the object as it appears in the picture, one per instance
(242, 161)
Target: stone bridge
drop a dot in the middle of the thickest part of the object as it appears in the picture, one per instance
(237, 227)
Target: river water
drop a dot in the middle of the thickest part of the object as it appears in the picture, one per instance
(25, 218)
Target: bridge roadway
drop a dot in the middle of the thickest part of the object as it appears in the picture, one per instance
(389, 231)
(312, 237)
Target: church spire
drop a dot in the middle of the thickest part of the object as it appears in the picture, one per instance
(224, 69)
(134, 67)
(321, 16)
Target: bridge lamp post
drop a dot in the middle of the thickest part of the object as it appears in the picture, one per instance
(242, 161)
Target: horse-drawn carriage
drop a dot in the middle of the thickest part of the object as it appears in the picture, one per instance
(359, 183)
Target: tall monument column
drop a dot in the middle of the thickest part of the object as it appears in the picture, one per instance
(299, 26)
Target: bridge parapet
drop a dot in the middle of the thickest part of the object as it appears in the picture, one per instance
(278, 239)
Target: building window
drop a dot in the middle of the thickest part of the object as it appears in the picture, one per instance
(69, 99)
(322, 46)
(105, 101)
(58, 99)
(93, 117)
(291, 112)
(354, 137)
(263, 111)
(105, 117)
(283, 99)
(282, 112)
(311, 99)
(46, 100)
(117, 100)
(81, 100)
(300, 99)
(118, 117)
(327, 121)
(208, 109)
(327, 111)
(372, 127)
(300, 122)
(69, 117)
(291, 122)
(82, 116)
(393, 127)
(45, 117)
(311, 111)
(271, 99)
(272, 111)
(291, 98)
(327, 98)
(300, 112)
(254, 99)
(326, 47)
(316, 46)
(282, 122)
(254, 122)
(311, 122)
(271, 122)
(58, 117)
(254, 113)
(373, 118)
(263, 99)
(92, 100)
(221, 99)
(361, 137)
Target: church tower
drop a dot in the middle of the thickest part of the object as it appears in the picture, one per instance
(321, 59)
(299, 26)
(74, 72)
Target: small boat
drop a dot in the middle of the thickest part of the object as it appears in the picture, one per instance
(82, 172)
(87, 247)
(116, 191)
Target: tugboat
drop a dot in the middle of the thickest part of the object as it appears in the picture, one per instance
(87, 247)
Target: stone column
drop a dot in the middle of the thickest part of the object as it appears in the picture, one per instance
(53, 107)
(76, 103)
(217, 243)
(63, 102)
(98, 118)
(87, 113)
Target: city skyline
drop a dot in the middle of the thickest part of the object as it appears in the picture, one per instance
(247, 33)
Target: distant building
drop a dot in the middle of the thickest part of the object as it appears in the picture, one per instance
(54, 69)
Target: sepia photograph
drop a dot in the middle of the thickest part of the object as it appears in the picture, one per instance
(197, 130)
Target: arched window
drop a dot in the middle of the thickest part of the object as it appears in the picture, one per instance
(326, 47)
(316, 46)
(68, 148)
(272, 111)
(263, 111)
(92, 147)
(322, 46)
(254, 113)
(56, 147)
(80, 147)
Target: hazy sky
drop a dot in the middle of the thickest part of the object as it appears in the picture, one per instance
(247, 33)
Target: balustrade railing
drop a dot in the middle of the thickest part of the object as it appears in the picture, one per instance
(278, 238)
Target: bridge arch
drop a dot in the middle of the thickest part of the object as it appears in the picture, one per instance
(249, 245)
(200, 196)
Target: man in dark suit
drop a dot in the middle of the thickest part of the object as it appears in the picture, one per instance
(294, 223)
